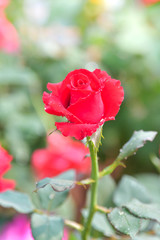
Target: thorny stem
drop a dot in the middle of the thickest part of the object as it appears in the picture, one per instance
(108, 170)
(93, 200)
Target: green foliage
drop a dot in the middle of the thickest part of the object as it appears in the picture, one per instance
(124, 222)
(59, 183)
(146, 237)
(136, 141)
(19, 201)
(100, 224)
(156, 162)
(129, 188)
(106, 188)
(52, 192)
(142, 210)
(152, 184)
(46, 227)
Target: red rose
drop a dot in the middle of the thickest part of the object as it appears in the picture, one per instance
(60, 155)
(149, 2)
(87, 99)
(5, 160)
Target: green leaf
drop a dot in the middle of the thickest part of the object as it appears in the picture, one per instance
(144, 236)
(152, 184)
(137, 140)
(105, 195)
(156, 162)
(156, 229)
(46, 227)
(19, 201)
(100, 223)
(142, 210)
(129, 188)
(53, 192)
(124, 222)
(58, 185)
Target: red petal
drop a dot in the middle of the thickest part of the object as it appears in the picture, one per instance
(77, 94)
(62, 93)
(54, 87)
(112, 96)
(6, 184)
(5, 160)
(89, 109)
(95, 84)
(54, 106)
(101, 75)
(79, 131)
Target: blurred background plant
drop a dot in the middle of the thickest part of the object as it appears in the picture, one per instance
(53, 38)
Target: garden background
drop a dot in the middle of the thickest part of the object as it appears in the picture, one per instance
(121, 37)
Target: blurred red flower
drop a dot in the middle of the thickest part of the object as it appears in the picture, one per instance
(9, 41)
(149, 2)
(87, 99)
(61, 154)
(5, 159)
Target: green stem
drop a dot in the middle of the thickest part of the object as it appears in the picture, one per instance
(93, 200)
(108, 170)
(73, 224)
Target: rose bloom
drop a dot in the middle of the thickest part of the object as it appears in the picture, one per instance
(61, 154)
(150, 2)
(9, 41)
(5, 159)
(87, 99)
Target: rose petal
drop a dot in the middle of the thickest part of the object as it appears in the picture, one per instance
(55, 88)
(112, 96)
(54, 106)
(5, 160)
(79, 81)
(77, 94)
(95, 83)
(79, 131)
(6, 184)
(89, 109)
(101, 75)
(63, 94)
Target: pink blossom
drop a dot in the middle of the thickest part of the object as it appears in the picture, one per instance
(65, 236)
(9, 41)
(17, 229)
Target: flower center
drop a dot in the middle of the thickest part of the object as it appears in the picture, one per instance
(79, 81)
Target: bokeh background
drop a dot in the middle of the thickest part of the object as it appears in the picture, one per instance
(55, 37)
